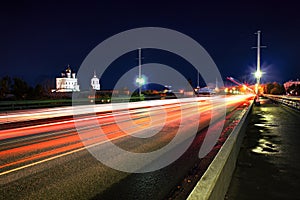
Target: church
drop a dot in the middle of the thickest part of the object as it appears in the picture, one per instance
(67, 82)
(95, 84)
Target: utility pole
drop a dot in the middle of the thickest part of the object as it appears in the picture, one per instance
(140, 80)
(198, 80)
(258, 73)
(140, 72)
(216, 88)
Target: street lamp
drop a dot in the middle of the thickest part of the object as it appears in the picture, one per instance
(258, 74)
(140, 81)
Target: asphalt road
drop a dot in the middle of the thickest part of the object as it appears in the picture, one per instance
(50, 161)
(269, 163)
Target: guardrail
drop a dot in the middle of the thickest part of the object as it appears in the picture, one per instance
(293, 102)
(214, 183)
(30, 104)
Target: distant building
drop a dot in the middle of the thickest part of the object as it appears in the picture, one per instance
(205, 90)
(95, 84)
(67, 82)
(290, 83)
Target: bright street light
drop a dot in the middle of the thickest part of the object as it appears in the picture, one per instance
(258, 74)
(140, 81)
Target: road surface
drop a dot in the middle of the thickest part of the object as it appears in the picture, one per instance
(51, 161)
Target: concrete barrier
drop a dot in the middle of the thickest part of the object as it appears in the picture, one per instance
(215, 181)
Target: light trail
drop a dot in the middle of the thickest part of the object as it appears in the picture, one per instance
(64, 139)
(74, 138)
(25, 131)
(44, 113)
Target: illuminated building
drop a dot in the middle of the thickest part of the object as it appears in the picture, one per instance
(95, 82)
(67, 82)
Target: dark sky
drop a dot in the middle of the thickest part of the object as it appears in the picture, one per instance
(39, 38)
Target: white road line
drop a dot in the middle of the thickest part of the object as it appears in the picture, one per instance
(51, 158)
(57, 156)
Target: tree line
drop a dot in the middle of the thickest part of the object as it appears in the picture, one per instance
(274, 88)
(18, 89)
(278, 89)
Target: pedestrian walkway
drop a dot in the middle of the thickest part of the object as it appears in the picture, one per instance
(268, 165)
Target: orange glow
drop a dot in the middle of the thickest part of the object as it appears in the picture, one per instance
(59, 138)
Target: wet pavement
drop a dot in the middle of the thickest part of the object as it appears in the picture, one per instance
(268, 165)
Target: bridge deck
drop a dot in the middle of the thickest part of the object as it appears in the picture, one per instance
(268, 165)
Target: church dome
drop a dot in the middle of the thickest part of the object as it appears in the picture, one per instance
(68, 70)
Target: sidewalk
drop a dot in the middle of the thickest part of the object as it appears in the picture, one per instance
(268, 165)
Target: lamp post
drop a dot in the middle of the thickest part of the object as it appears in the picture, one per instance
(258, 73)
(140, 80)
(140, 72)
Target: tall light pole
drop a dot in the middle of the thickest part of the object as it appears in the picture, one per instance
(258, 72)
(198, 79)
(198, 87)
(140, 80)
(140, 71)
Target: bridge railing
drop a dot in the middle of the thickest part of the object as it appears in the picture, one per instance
(286, 100)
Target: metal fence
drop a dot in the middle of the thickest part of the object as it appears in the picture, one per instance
(293, 102)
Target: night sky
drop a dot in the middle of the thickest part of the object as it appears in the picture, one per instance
(39, 38)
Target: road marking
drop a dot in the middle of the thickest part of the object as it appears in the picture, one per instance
(52, 158)
(60, 155)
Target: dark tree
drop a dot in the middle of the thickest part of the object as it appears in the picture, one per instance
(20, 89)
(274, 88)
(39, 91)
(5, 86)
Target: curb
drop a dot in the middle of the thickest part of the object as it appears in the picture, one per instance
(214, 183)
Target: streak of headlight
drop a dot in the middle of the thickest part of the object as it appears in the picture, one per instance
(229, 99)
